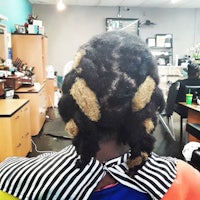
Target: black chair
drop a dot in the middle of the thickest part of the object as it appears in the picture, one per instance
(195, 160)
(182, 111)
(194, 130)
(169, 109)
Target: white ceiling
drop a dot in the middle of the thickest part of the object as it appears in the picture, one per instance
(128, 3)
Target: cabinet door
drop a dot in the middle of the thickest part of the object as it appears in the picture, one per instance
(5, 138)
(31, 49)
(17, 132)
(42, 105)
(34, 111)
(51, 86)
(26, 134)
(15, 139)
(44, 56)
(38, 107)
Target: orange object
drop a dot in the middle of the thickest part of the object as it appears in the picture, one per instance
(186, 184)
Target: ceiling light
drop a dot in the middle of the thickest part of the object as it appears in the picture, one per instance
(175, 1)
(60, 5)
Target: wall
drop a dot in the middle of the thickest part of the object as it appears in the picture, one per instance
(67, 30)
(16, 11)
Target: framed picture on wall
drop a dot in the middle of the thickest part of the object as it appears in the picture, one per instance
(151, 42)
(126, 24)
(164, 40)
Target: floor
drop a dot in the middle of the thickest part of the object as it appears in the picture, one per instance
(53, 137)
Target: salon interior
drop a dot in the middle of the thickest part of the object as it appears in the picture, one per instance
(39, 38)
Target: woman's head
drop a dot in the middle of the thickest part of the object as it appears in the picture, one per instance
(111, 93)
(193, 70)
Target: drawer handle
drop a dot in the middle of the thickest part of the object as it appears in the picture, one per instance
(19, 145)
(17, 117)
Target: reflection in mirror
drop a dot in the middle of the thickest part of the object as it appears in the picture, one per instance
(127, 24)
(3, 43)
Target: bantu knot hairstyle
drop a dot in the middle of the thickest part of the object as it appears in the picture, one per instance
(112, 92)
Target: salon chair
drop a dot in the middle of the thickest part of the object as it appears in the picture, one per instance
(169, 109)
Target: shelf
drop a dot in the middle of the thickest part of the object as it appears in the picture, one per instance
(160, 48)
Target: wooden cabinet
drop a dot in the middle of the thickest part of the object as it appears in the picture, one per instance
(15, 137)
(31, 49)
(38, 105)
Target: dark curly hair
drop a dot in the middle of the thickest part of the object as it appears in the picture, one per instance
(193, 70)
(112, 93)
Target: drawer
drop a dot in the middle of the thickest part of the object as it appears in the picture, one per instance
(13, 82)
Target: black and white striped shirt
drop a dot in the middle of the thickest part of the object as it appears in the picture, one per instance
(55, 175)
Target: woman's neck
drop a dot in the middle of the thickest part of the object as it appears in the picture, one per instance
(110, 149)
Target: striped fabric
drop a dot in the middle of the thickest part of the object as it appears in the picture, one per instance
(55, 176)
